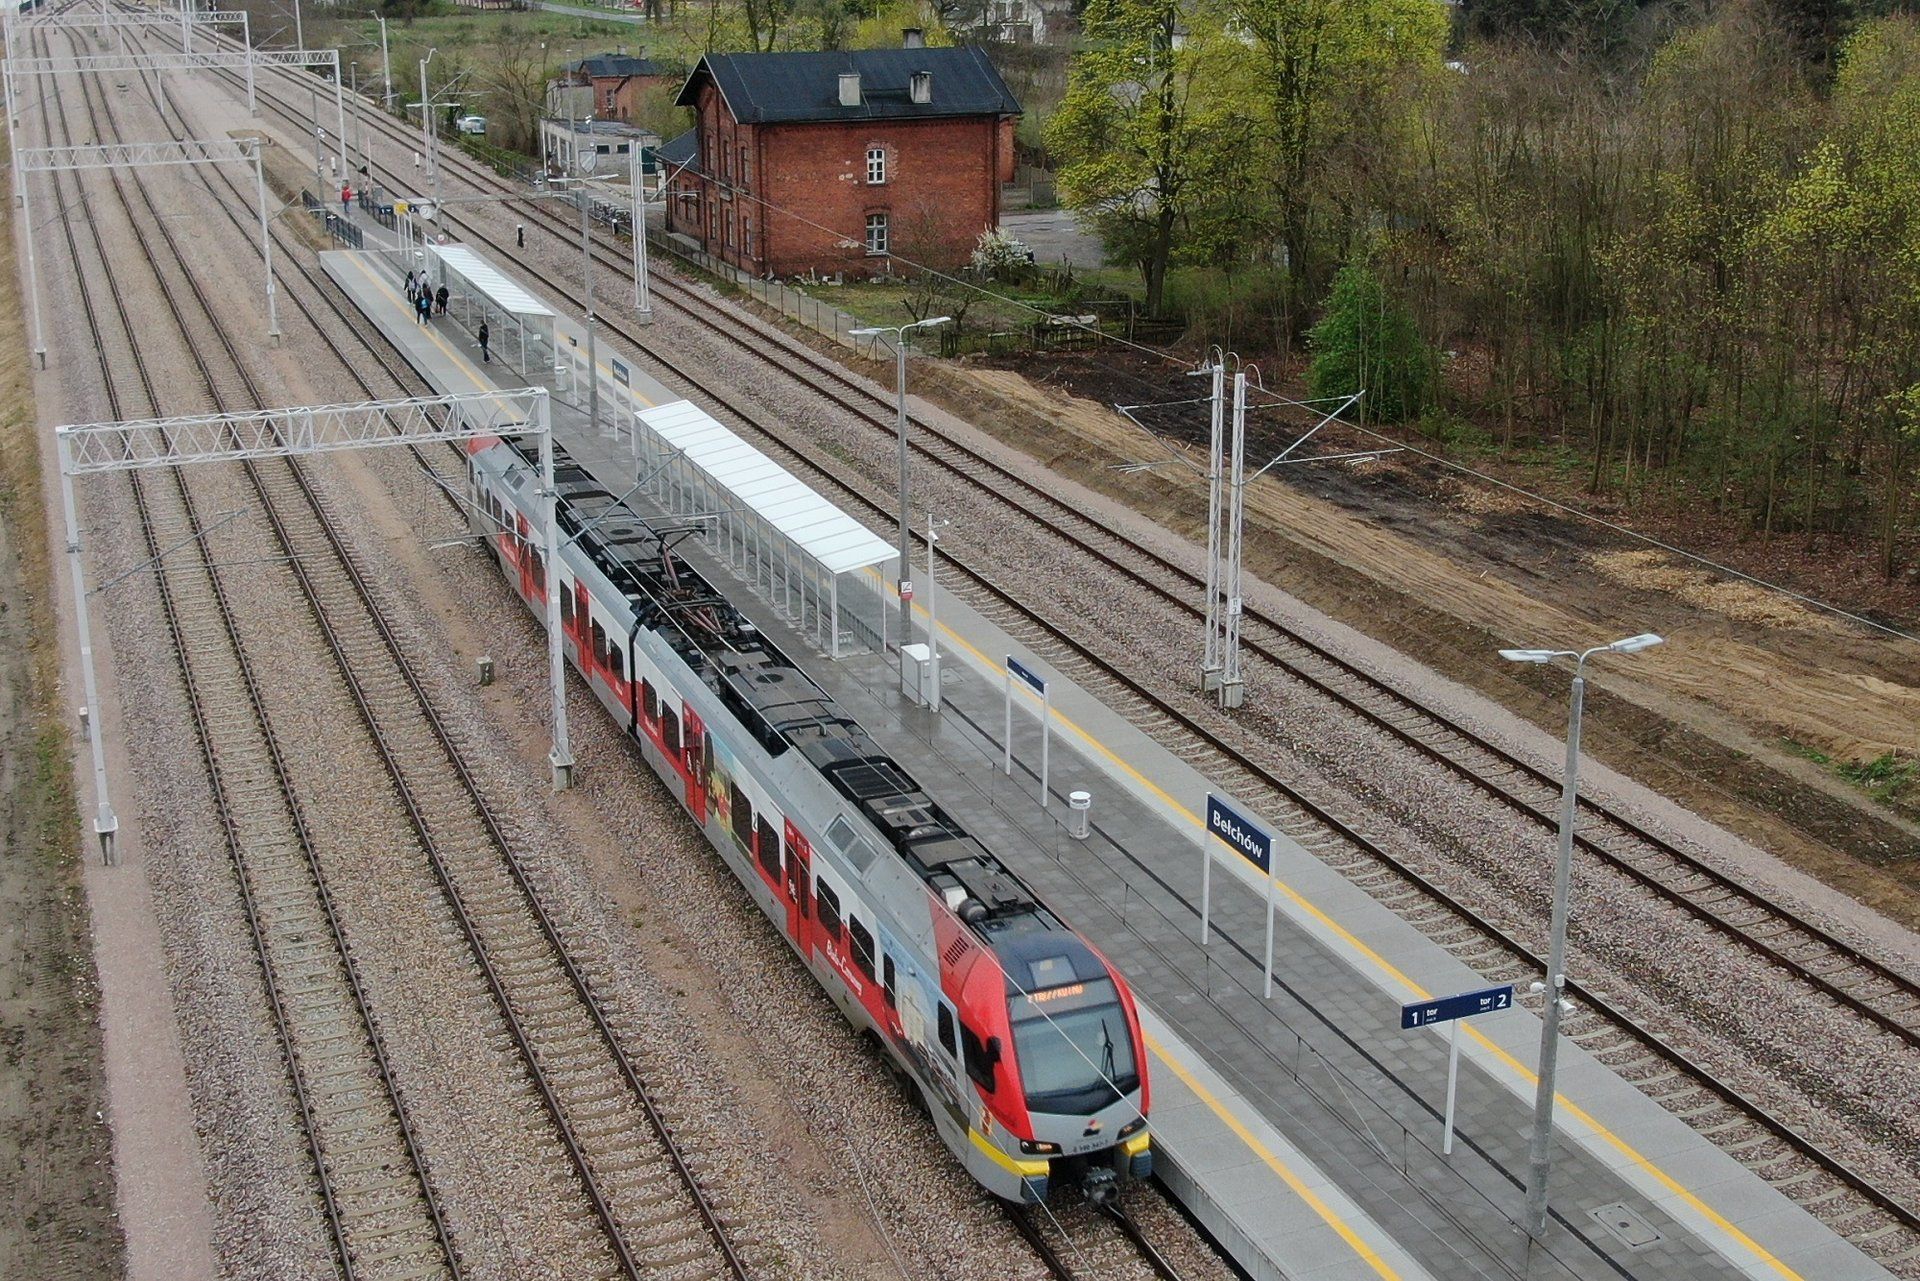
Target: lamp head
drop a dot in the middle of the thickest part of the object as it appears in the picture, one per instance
(1529, 655)
(1634, 644)
(867, 333)
(929, 322)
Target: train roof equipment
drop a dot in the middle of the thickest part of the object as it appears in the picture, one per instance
(787, 712)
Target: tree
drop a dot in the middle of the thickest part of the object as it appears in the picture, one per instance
(1149, 131)
(1324, 66)
(1367, 342)
(1590, 25)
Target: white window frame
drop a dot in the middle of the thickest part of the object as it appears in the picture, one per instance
(880, 247)
(876, 166)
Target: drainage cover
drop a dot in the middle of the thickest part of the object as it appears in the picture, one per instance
(1630, 1226)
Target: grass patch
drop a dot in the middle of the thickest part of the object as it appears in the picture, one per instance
(1892, 778)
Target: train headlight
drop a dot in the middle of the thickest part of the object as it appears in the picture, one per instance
(1132, 1127)
(1031, 1148)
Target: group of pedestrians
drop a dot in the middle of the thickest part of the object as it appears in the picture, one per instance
(427, 302)
(424, 299)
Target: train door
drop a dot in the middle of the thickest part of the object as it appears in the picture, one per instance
(944, 1053)
(695, 739)
(532, 583)
(580, 599)
(799, 876)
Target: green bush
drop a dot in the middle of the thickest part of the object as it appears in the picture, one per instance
(1367, 340)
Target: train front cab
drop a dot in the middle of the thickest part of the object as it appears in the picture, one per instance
(1062, 1078)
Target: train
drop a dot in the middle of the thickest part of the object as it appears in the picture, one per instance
(1021, 1040)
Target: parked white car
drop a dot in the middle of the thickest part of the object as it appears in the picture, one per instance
(476, 125)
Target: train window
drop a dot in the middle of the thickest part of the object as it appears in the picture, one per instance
(862, 939)
(829, 909)
(768, 841)
(566, 607)
(742, 815)
(669, 731)
(617, 660)
(886, 979)
(649, 701)
(979, 1063)
(946, 1029)
(599, 645)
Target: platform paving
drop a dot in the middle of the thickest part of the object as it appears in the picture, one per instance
(1305, 1128)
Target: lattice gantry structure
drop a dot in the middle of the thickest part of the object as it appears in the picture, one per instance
(93, 448)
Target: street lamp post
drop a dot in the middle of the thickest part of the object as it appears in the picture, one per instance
(580, 195)
(642, 300)
(899, 333)
(426, 124)
(1540, 1145)
(386, 71)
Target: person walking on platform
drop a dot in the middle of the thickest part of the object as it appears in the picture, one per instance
(423, 307)
(413, 290)
(483, 335)
(346, 200)
(440, 301)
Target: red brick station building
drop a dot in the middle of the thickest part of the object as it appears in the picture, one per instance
(829, 162)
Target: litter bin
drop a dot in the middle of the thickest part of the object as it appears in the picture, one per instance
(1079, 814)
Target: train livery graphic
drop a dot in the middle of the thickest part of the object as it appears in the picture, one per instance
(1022, 1041)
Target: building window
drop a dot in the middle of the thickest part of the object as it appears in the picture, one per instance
(612, 99)
(876, 233)
(745, 172)
(746, 233)
(876, 165)
(729, 228)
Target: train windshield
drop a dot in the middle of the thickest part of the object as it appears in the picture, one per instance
(1075, 1059)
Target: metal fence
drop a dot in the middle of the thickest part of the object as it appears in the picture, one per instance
(343, 231)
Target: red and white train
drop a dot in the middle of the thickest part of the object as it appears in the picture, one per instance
(1020, 1037)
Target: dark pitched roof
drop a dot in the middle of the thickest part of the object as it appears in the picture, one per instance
(773, 88)
(605, 65)
(680, 151)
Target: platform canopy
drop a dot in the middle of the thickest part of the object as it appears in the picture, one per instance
(521, 325)
(790, 540)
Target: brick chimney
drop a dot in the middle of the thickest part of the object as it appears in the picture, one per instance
(913, 38)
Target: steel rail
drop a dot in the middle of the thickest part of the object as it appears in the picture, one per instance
(1893, 1009)
(473, 793)
(369, 1025)
(1661, 1049)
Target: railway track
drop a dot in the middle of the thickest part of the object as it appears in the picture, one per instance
(1838, 971)
(655, 1214)
(1884, 1000)
(383, 1215)
(1087, 1243)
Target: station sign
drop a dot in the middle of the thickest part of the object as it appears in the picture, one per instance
(1034, 680)
(1246, 838)
(621, 374)
(1446, 1009)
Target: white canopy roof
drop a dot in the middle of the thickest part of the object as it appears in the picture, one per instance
(490, 280)
(839, 542)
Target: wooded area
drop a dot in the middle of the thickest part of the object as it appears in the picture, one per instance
(1680, 240)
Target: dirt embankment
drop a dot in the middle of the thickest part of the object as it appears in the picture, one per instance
(1447, 572)
(56, 1213)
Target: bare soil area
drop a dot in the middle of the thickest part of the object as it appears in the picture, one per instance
(1447, 570)
(57, 1209)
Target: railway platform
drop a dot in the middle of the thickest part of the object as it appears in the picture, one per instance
(1303, 1130)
